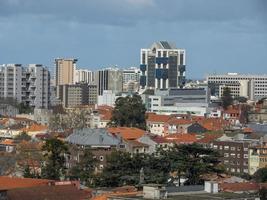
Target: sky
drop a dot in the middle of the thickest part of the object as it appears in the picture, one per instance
(219, 35)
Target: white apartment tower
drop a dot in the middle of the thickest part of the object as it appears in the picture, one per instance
(30, 85)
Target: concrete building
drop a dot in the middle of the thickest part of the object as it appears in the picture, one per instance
(84, 76)
(65, 71)
(109, 79)
(179, 101)
(77, 94)
(162, 66)
(131, 79)
(253, 87)
(30, 85)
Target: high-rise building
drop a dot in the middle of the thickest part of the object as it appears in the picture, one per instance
(84, 76)
(30, 85)
(253, 87)
(162, 66)
(109, 79)
(131, 79)
(65, 71)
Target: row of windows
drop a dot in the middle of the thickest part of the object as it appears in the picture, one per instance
(227, 148)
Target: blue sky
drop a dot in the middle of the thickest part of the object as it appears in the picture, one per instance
(219, 35)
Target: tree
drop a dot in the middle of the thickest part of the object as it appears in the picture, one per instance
(263, 193)
(129, 111)
(29, 157)
(23, 136)
(193, 161)
(227, 98)
(55, 151)
(260, 175)
(84, 170)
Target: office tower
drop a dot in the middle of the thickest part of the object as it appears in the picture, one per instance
(29, 85)
(253, 87)
(162, 66)
(131, 79)
(109, 79)
(65, 71)
(84, 76)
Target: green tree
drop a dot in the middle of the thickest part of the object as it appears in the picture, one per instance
(227, 98)
(193, 161)
(54, 151)
(22, 136)
(129, 111)
(263, 193)
(84, 170)
(260, 175)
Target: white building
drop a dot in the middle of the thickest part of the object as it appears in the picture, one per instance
(84, 76)
(130, 79)
(253, 87)
(30, 85)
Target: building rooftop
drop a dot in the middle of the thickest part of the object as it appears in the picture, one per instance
(127, 133)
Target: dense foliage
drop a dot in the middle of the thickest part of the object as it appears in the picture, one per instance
(129, 111)
(55, 151)
(227, 98)
(260, 175)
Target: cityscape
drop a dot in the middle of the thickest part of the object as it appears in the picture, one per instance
(163, 126)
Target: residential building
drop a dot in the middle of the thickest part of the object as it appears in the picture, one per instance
(42, 116)
(84, 76)
(65, 71)
(234, 152)
(29, 85)
(162, 66)
(179, 101)
(258, 115)
(257, 158)
(74, 95)
(109, 79)
(253, 87)
(8, 110)
(155, 123)
(92, 94)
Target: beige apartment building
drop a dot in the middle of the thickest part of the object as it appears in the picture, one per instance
(65, 71)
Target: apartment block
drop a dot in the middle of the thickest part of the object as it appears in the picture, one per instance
(162, 66)
(84, 76)
(65, 70)
(254, 87)
(131, 79)
(30, 84)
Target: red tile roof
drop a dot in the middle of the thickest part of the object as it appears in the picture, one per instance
(63, 192)
(152, 117)
(7, 183)
(209, 137)
(159, 139)
(182, 138)
(239, 187)
(135, 143)
(127, 133)
(35, 128)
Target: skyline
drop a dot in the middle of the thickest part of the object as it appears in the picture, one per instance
(220, 37)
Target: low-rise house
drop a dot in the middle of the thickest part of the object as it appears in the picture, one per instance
(155, 123)
(35, 129)
(127, 133)
(175, 125)
(100, 141)
(8, 145)
(135, 147)
(182, 138)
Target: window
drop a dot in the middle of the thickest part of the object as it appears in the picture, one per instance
(101, 158)
(232, 169)
(238, 155)
(101, 166)
(226, 147)
(232, 154)
(215, 146)
(245, 149)
(245, 155)
(226, 155)
(232, 148)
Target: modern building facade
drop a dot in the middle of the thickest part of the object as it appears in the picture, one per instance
(84, 76)
(253, 87)
(65, 70)
(109, 79)
(162, 66)
(179, 101)
(131, 79)
(30, 85)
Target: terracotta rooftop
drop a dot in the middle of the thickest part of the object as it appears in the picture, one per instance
(182, 138)
(159, 139)
(152, 117)
(127, 133)
(62, 192)
(175, 121)
(135, 143)
(7, 183)
(35, 128)
(239, 187)
(8, 142)
(209, 137)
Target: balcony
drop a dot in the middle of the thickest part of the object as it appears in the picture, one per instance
(143, 67)
(161, 73)
(181, 68)
(143, 81)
